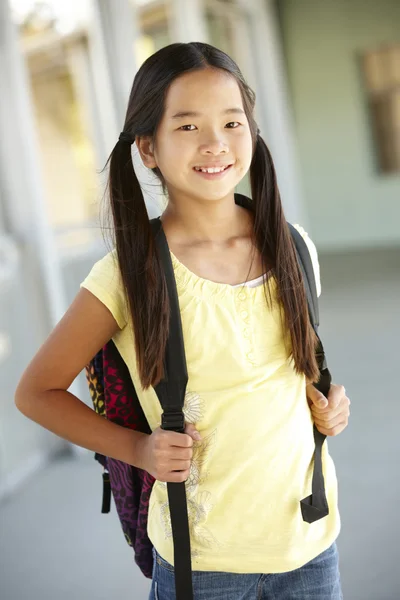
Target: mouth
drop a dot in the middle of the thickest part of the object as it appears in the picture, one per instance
(213, 172)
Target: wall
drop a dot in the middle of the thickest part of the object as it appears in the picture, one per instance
(349, 203)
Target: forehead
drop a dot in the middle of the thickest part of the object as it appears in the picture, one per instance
(203, 91)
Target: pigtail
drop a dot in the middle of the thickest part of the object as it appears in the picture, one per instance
(275, 245)
(140, 268)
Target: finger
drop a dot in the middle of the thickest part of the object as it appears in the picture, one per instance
(178, 476)
(340, 413)
(327, 412)
(181, 440)
(333, 432)
(335, 395)
(330, 423)
(316, 397)
(190, 429)
(180, 453)
(180, 465)
(342, 407)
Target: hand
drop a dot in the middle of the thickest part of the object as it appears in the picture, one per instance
(331, 415)
(167, 455)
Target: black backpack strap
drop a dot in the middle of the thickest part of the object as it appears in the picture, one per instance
(171, 393)
(313, 507)
(307, 270)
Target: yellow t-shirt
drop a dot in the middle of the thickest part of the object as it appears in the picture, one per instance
(254, 463)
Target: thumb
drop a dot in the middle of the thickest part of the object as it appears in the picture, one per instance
(316, 397)
(191, 430)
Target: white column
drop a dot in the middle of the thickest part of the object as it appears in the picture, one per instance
(20, 171)
(79, 66)
(112, 31)
(187, 21)
(26, 221)
(273, 103)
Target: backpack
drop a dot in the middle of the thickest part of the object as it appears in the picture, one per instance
(114, 397)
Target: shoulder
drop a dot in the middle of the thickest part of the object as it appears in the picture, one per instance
(105, 282)
(105, 272)
(108, 261)
(313, 254)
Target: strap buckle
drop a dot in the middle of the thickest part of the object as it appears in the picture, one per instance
(173, 420)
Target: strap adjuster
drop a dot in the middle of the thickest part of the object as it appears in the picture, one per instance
(173, 421)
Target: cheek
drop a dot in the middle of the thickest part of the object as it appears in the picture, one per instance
(172, 155)
(245, 152)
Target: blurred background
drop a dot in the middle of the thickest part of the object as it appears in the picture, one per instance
(327, 78)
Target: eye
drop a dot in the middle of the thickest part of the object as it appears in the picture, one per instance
(183, 128)
(235, 125)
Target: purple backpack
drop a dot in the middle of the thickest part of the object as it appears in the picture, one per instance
(114, 397)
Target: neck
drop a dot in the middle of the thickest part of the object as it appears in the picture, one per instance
(209, 221)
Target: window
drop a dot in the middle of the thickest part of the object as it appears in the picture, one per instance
(381, 68)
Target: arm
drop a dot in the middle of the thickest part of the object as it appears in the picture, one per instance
(42, 393)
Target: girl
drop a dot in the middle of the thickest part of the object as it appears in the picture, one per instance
(246, 454)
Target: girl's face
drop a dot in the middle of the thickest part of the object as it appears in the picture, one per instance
(204, 126)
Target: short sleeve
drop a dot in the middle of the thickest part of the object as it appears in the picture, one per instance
(313, 254)
(104, 281)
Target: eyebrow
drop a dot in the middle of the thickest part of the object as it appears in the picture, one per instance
(183, 114)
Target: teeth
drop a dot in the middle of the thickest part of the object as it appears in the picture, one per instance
(211, 170)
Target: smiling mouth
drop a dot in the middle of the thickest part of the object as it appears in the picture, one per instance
(212, 170)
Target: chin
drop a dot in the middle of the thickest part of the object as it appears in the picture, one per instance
(212, 193)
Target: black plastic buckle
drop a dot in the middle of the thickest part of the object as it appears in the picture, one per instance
(173, 421)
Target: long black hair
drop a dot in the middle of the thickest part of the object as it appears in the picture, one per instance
(139, 265)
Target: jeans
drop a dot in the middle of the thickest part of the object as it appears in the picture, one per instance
(317, 580)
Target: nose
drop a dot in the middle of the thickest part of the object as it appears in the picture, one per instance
(214, 147)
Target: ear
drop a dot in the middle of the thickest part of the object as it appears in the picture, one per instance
(145, 147)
